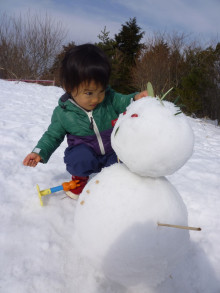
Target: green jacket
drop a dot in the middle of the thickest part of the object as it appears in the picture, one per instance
(89, 127)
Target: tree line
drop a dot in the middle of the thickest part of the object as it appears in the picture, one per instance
(33, 49)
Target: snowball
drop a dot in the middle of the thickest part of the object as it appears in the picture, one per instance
(151, 140)
(116, 226)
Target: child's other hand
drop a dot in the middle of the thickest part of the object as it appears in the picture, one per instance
(141, 95)
(32, 160)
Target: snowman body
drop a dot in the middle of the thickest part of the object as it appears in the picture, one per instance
(117, 215)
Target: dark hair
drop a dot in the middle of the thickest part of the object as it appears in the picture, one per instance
(84, 63)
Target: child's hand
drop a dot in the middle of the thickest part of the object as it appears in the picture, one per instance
(32, 160)
(141, 95)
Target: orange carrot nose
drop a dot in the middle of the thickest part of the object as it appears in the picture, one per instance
(70, 185)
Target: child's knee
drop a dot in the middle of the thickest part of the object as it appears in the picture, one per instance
(81, 160)
(78, 152)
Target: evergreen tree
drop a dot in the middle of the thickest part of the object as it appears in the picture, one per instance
(128, 40)
(199, 89)
(108, 45)
(128, 44)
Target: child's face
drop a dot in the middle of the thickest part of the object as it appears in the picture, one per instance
(88, 96)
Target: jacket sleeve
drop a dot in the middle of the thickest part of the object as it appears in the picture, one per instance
(121, 102)
(51, 139)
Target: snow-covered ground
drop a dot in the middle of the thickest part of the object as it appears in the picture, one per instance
(37, 251)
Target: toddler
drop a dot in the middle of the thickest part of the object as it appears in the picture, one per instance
(84, 115)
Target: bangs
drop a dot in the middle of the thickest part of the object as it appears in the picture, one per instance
(95, 73)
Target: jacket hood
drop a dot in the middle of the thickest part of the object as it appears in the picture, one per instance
(64, 102)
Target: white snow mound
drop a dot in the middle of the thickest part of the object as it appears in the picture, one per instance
(116, 226)
(151, 140)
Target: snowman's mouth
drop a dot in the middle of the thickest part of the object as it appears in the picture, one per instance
(116, 131)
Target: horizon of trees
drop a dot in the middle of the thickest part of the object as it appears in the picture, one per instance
(32, 48)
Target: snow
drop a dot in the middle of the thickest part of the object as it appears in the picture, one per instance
(38, 249)
(168, 138)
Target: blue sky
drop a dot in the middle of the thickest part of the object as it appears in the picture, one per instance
(84, 19)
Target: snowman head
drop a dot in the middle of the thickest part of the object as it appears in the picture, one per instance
(153, 138)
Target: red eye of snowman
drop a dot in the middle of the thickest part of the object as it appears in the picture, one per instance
(134, 115)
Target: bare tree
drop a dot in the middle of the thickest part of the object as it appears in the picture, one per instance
(28, 44)
(160, 62)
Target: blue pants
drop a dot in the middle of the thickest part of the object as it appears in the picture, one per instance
(81, 160)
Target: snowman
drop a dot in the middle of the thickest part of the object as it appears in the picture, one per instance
(120, 213)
